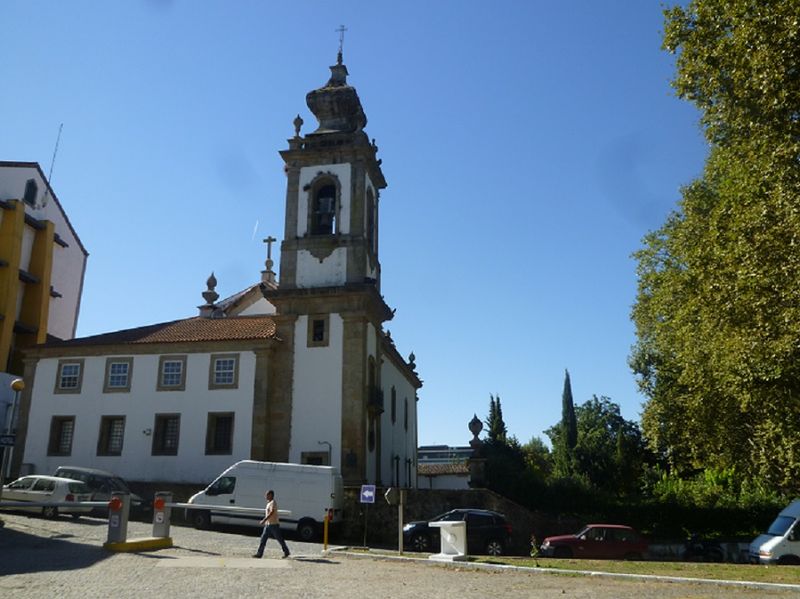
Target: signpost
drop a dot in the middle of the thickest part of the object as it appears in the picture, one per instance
(367, 496)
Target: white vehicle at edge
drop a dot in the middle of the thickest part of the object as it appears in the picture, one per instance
(306, 492)
(781, 543)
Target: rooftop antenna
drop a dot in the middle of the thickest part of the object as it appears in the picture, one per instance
(340, 31)
(52, 164)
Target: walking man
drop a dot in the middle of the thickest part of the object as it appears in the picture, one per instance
(272, 527)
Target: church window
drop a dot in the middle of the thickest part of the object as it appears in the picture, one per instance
(171, 373)
(394, 405)
(62, 429)
(318, 325)
(31, 191)
(118, 375)
(166, 432)
(224, 371)
(219, 433)
(405, 415)
(70, 376)
(323, 211)
(112, 432)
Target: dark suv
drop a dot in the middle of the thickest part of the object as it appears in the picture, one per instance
(487, 532)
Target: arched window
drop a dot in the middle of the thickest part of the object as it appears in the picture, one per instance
(323, 210)
(394, 405)
(405, 416)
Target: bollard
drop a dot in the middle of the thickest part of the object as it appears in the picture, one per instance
(118, 508)
(162, 513)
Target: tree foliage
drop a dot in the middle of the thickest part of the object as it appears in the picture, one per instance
(495, 425)
(717, 312)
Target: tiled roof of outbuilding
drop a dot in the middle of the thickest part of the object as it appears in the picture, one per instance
(236, 328)
(439, 469)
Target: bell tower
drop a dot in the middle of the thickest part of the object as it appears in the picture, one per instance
(329, 307)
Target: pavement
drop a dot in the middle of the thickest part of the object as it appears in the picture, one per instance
(65, 558)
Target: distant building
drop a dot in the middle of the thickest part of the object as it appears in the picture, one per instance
(299, 372)
(443, 467)
(42, 266)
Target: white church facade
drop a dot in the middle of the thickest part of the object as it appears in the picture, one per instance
(302, 371)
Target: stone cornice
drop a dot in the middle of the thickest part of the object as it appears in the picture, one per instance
(353, 297)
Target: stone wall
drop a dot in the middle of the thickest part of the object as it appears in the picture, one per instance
(381, 521)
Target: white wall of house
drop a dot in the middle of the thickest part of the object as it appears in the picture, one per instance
(139, 406)
(317, 393)
(444, 481)
(396, 439)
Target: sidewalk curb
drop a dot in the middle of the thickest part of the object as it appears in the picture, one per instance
(763, 586)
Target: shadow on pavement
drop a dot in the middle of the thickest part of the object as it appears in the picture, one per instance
(23, 553)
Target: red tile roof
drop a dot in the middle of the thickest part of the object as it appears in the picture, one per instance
(236, 328)
(439, 469)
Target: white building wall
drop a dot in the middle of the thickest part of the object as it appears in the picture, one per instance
(258, 308)
(317, 393)
(139, 407)
(332, 271)
(395, 439)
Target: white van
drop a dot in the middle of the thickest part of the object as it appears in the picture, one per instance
(781, 543)
(308, 492)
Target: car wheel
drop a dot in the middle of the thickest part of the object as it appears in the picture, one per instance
(201, 519)
(420, 542)
(50, 511)
(494, 547)
(306, 531)
(563, 552)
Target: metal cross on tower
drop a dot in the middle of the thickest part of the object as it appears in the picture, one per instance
(340, 30)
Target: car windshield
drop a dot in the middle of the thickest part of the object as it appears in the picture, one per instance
(583, 531)
(780, 526)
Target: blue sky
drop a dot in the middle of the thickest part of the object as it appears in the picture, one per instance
(528, 147)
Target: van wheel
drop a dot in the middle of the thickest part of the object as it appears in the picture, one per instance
(50, 511)
(201, 519)
(789, 560)
(306, 530)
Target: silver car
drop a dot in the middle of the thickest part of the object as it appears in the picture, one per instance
(49, 489)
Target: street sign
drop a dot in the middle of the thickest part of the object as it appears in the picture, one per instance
(8, 440)
(367, 493)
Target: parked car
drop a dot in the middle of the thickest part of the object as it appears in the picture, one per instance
(101, 484)
(48, 489)
(487, 532)
(598, 541)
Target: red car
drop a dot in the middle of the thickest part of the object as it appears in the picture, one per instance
(597, 541)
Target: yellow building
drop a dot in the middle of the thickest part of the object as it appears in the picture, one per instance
(42, 266)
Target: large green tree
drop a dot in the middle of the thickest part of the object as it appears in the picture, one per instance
(718, 307)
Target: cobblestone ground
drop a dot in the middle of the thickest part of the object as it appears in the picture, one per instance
(65, 558)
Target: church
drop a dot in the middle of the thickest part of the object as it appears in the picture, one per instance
(298, 371)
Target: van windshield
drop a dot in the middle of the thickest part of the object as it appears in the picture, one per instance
(780, 526)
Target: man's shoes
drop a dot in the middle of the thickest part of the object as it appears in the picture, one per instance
(285, 555)
(256, 555)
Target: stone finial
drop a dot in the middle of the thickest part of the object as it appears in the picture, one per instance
(210, 295)
(412, 361)
(298, 122)
(475, 427)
